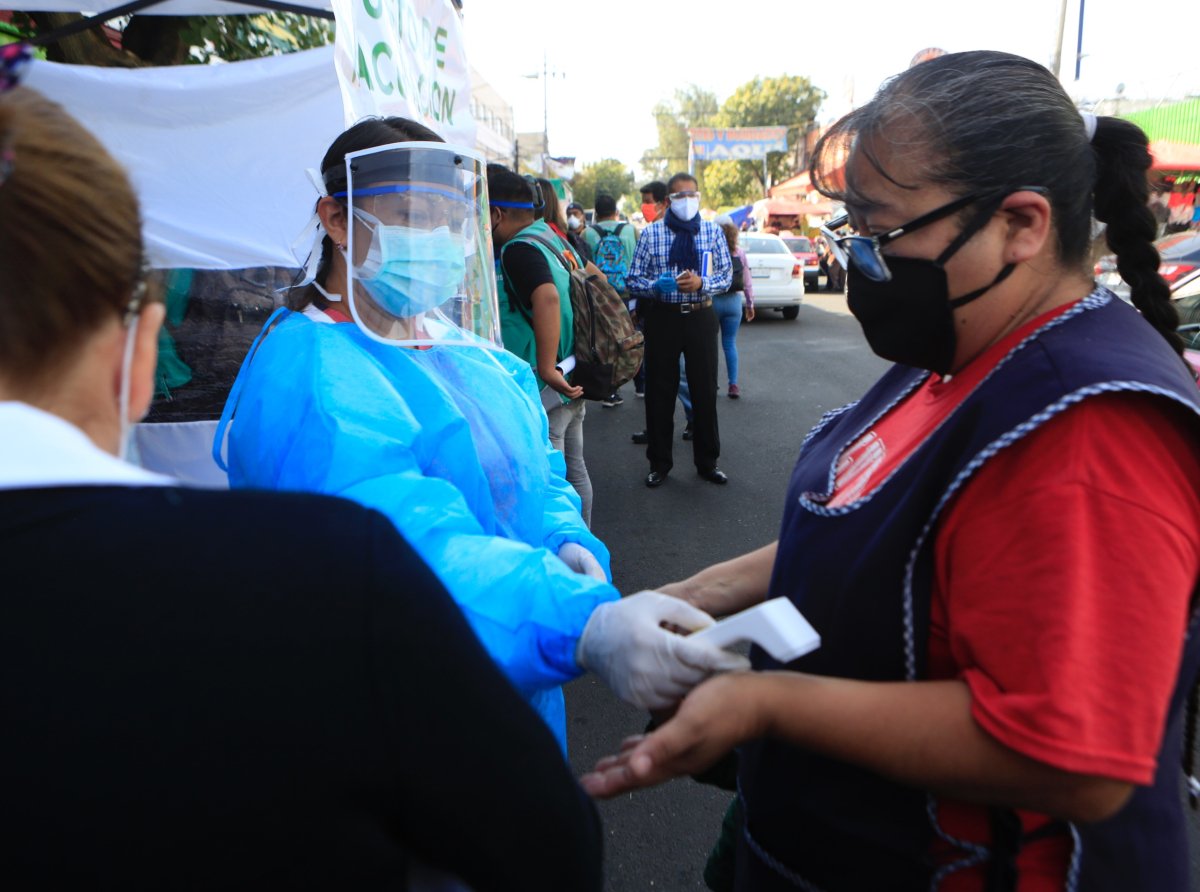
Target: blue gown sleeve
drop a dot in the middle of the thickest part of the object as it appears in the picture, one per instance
(318, 415)
(563, 520)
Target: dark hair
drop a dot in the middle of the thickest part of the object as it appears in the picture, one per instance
(551, 210)
(678, 178)
(606, 205)
(366, 134)
(505, 184)
(988, 122)
(657, 190)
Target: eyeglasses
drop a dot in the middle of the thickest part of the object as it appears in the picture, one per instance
(675, 195)
(866, 251)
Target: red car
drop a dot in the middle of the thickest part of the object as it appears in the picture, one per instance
(802, 249)
(1180, 253)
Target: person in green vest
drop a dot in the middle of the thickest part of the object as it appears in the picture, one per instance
(536, 322)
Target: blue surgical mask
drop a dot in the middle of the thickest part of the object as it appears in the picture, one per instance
(409, 271)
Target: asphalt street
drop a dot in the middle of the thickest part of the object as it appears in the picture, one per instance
(791, 373)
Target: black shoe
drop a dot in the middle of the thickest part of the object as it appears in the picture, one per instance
(614, 399)
(687, 431)
(712, 475)
(641, 438)
(657, 478)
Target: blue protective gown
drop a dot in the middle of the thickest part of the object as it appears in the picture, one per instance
(450, 443)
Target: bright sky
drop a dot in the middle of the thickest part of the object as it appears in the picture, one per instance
(617, 58)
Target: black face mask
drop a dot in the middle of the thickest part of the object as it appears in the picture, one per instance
(910, 319)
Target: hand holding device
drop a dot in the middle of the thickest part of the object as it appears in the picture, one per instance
(624, 642)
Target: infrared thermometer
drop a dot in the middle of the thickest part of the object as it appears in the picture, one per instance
(776, 626)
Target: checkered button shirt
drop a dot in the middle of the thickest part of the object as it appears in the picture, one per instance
(652, 259)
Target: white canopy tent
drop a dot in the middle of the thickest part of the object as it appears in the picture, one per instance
(217, 153)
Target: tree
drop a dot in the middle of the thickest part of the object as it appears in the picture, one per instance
(787, 101)
(691, 107)
(149, 40)
(608, 176)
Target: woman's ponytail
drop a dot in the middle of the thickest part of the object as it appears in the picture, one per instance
(1122, 195)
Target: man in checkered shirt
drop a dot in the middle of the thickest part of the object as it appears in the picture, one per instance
(681, 261)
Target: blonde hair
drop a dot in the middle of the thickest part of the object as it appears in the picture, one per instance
(70, 237)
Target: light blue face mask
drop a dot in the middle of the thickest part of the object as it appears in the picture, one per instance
(409, 271)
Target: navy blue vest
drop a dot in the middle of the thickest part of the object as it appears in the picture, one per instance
(861, 574)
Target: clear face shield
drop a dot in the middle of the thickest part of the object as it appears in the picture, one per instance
(419, 265)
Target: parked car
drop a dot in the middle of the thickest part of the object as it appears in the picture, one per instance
(1180, 254)
(777, 275)
(803, 250)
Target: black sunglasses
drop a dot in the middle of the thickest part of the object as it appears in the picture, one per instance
(866, 251)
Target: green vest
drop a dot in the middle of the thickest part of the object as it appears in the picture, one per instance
(516, 329)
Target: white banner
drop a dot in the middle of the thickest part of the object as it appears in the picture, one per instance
(217, 153)
(406, 58)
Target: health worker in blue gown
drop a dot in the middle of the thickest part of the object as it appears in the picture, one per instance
(384, 381)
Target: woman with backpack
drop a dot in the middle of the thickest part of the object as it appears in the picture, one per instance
(730, 306)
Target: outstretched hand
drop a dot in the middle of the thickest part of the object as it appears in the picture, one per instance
(714, 718)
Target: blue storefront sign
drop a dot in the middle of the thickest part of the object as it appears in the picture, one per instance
(736, 143)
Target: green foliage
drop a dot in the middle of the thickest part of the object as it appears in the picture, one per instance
(237, 37)
(609, 176)
(691, 107)
(787, 101)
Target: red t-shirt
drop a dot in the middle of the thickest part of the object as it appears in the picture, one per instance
(1063, 572)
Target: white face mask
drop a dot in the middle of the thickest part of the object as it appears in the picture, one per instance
(573, 222)
(685, 208)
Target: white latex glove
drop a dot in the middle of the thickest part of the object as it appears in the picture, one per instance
(581, 560)
(643, 663)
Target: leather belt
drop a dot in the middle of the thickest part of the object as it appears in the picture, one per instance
(684, 308)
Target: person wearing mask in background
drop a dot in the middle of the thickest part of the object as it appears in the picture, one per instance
(735, 303)
(384, 381)
(654, 201)
(654, 204)
(611, 243)
(213, 689)
(576, 226)
(536, 320)
(999, 543)
(680, 262)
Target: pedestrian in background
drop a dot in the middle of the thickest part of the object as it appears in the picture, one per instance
(735, 303)
(680, 262)
(576, 227)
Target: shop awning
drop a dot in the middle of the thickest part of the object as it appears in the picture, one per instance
(785, 207)
(1175, 156)
(1174, 133)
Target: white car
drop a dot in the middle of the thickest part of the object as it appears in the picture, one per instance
(776, 275)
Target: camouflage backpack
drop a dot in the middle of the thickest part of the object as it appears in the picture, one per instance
(608, 349)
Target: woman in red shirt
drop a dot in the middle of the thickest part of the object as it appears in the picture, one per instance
(999, 543)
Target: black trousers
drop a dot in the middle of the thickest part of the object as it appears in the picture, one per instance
(670, 333)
